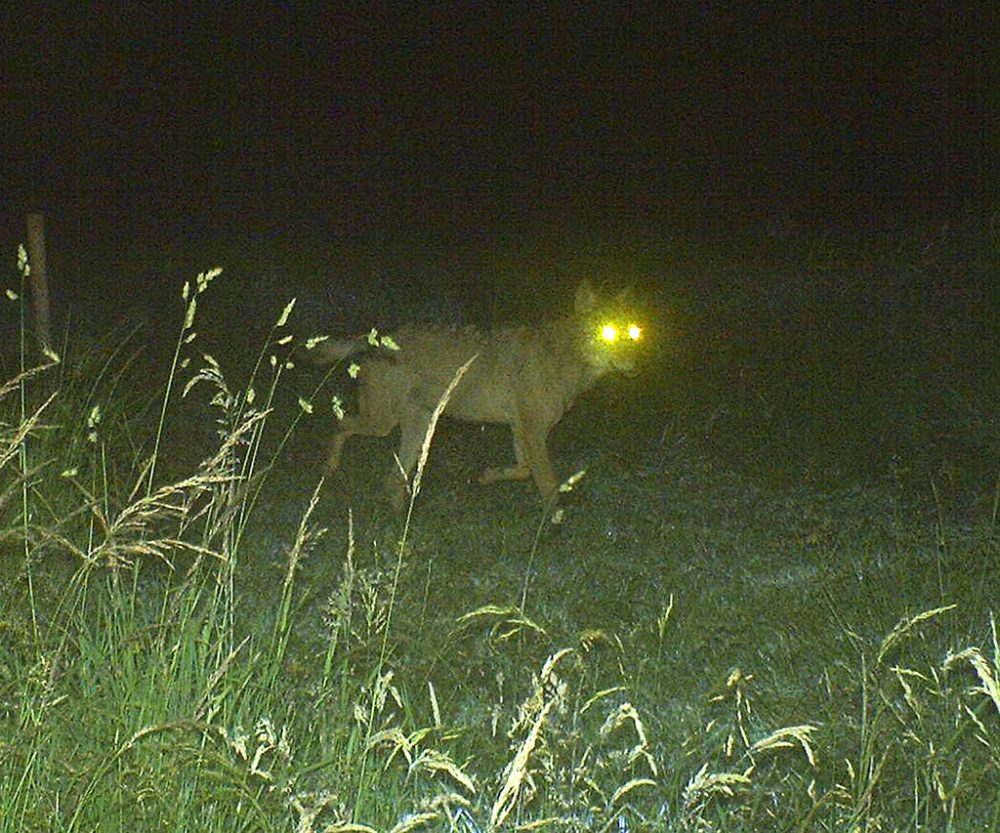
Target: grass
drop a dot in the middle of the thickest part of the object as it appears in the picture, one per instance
(770, 606)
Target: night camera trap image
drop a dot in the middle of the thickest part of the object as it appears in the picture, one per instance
(455, 417)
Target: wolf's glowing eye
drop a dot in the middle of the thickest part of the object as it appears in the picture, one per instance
(634, 332)
(609, 332)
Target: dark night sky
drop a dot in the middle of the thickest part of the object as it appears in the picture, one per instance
(357, 117)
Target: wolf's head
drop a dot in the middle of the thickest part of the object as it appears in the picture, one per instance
(610, 330)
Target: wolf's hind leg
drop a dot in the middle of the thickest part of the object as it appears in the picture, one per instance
(336, 449)
(412, 432)
(377, 415)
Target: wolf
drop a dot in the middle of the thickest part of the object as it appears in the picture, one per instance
(523, 376)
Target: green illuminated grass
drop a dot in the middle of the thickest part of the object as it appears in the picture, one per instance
(770, 605)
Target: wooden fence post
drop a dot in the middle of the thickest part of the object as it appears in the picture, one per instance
(39, 279)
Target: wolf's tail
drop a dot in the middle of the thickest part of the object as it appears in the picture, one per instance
(330, 351)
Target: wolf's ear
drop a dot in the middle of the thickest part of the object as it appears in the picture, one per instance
(626, 296)
(586, 298)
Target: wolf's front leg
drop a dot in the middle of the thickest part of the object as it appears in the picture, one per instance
(521, 471)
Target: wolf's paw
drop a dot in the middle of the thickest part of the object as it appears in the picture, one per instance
(397, 491)
(488, 476)
(495, 475)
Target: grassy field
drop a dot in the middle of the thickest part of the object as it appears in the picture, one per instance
(770, 604)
